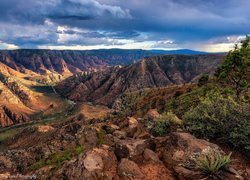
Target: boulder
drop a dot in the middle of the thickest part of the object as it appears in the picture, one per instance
(110, 128)
(93, 161)
(188, 142)
(132, 126)
(152, 115)
(88, 137)
(133, 149)
(151, 156)
(120, 134)
(180, 146)
(98, 163)
(129, 170)
(136, 130)
(186, 174)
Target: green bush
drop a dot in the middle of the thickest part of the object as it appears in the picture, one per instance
(163, 125)
(235, 70)
(220, 117)
(203, 80)
(58, 158)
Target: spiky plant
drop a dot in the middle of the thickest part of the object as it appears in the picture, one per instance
(212, 160)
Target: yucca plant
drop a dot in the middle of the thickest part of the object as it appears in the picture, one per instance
(212, 160)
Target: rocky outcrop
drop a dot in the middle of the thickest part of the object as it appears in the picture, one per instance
(80, 149)
(9, 117)
(20, 91)
(105, 86)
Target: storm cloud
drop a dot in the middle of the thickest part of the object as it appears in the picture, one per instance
(112, 23)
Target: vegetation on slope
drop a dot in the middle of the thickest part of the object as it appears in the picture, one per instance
(220, 109)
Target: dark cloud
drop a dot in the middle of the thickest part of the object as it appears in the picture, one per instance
(89, 22)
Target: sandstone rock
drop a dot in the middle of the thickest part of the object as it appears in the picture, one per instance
(88, 137)
(181, 145)
(93, 161)
(129, 170)
(188, 142)
(132, 149)
(152, 114)
(151, 156)
(120, 134)
(186, 174)
(133, 123)
(135, 129)
(110, 128)
(98, 163)
(132, 126)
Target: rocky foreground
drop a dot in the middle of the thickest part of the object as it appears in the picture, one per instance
(107, 148)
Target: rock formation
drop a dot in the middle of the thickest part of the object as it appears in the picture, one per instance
(105, 86)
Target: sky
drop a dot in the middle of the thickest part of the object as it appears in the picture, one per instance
(206, 25)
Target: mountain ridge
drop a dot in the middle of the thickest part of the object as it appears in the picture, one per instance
(68, 62)
(158, 71)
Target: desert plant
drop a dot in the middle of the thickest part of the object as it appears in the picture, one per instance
(212, 160)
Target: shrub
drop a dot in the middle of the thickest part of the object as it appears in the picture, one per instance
(163, 124)
(203, 80)
(58, 158)
(161, 127)
(210, 161)
(235, 69)
(181, 104)
(220, 117)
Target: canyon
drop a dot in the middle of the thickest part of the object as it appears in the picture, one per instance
(93, 114)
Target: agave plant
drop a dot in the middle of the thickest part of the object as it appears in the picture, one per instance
(212, 160)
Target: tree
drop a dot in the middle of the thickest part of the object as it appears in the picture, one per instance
(235, 70)
(203, 79)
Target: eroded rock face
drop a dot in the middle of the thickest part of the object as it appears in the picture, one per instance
(64, 62)
(16, 88)
(104, 87)
(9, 117)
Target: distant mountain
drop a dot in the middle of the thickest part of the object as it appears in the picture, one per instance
(178, 51)
(104, 87)
(72, 61)
(68, 62)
